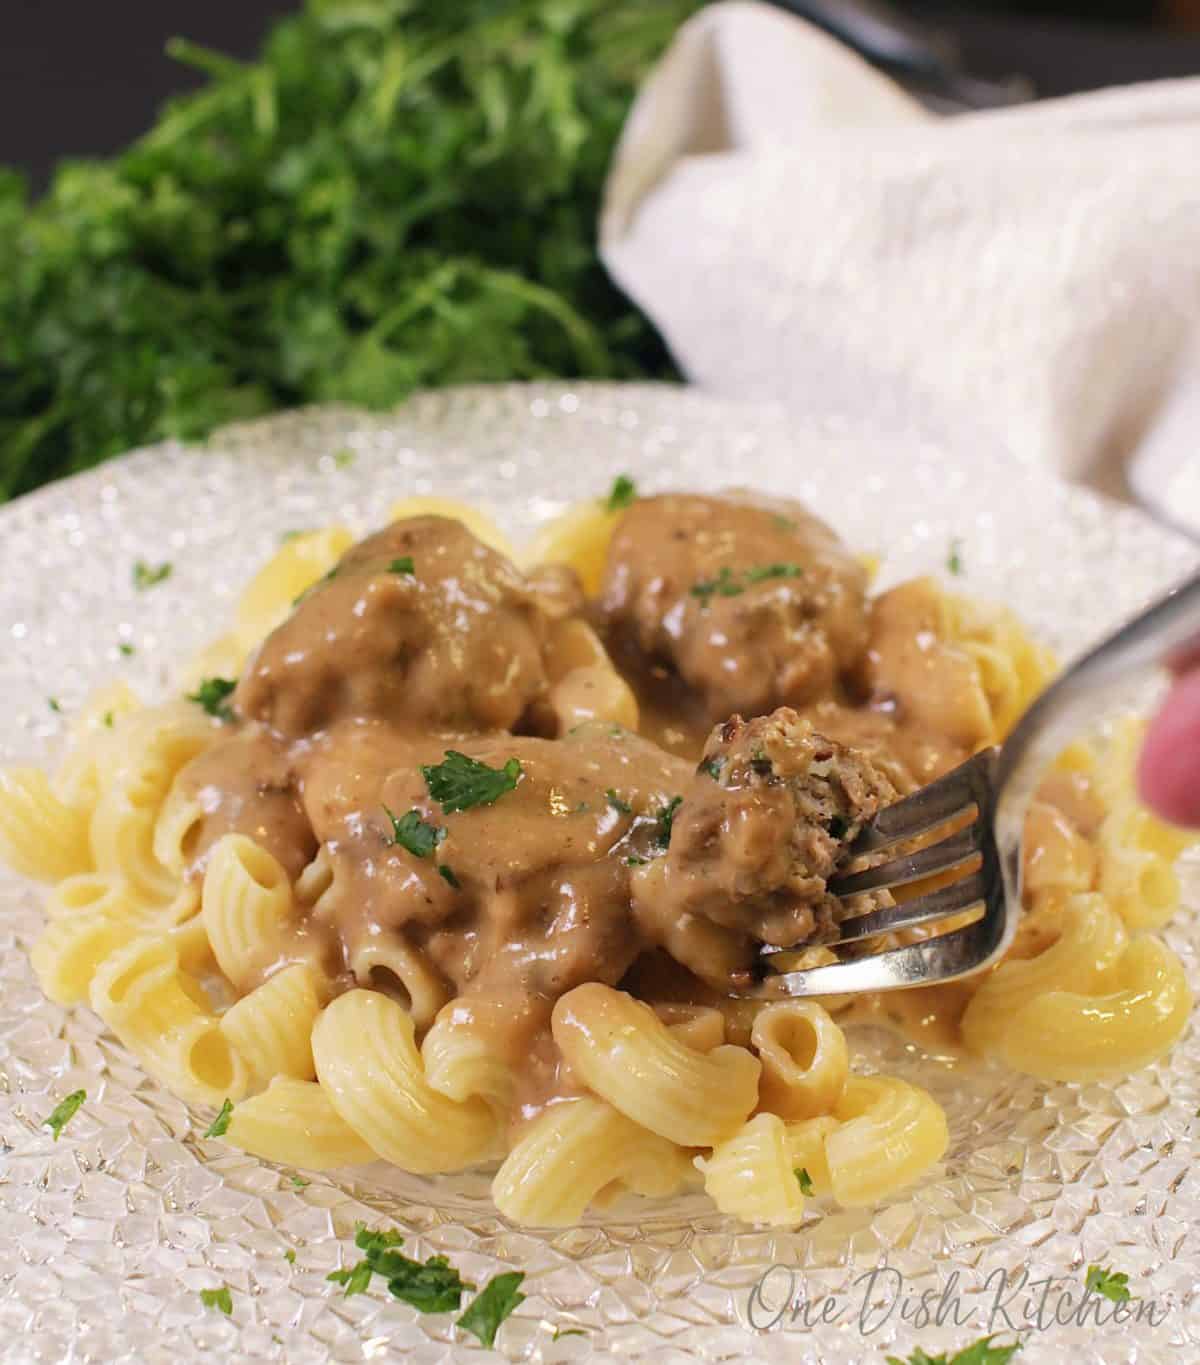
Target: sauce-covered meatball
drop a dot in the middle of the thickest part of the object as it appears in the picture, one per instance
(420, 621)
(752, 604)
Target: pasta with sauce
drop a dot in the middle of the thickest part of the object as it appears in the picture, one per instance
(468, 861)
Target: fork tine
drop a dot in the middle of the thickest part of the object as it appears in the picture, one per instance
(956, 851)
(945, 901)
(917, 964)
(925, 810)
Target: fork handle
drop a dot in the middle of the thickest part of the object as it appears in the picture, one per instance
(1166, 634)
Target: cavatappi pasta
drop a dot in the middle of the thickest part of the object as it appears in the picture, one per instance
(440, 883)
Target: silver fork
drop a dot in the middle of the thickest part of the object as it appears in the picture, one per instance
(992, 792)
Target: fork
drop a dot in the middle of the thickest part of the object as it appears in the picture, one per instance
(985, 800)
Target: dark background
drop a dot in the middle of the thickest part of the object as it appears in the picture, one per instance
(84, 77)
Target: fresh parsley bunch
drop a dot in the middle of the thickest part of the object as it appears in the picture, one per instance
(397, 193)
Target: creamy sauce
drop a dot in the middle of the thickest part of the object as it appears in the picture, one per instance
(660, 860)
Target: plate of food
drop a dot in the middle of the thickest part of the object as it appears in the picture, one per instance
(396, 808)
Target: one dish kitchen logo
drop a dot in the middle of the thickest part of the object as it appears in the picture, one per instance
(1004, 1303)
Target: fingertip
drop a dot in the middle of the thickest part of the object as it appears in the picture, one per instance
(1168, 773)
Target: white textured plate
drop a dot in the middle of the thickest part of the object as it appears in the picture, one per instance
(112, 1231)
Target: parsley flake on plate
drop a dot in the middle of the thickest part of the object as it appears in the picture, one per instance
(403, 565)
(802, 1175)
(622, 494)
(488, 1309)
(220, 1125)
(414, 833)
(55, 705)
(459, 782)
(126, 649)
(447, 875)
(432, 1286)
(147, 576)
(767, 571)
(980, 1352)
(724, 585)
(666, 820)
(290, 1256)
(617, 804)
(954, 560)
(63, 1112)
(356, 1279)
(217, 1298)
(211, 695)
(712, 766)
(1112, 1284)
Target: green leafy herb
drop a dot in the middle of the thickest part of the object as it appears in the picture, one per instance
(220, 1125)
(217, 1298)
(447, 874)
(666, 820)
(568, 1332)
(392, 196)
(290, 536)
(634, 861)
(211, 695)
(343, 458)
(766, 571)
(459, 782)
(54, 704)
(1111, 1284)
(415, 834)
(712, 766)
(127, 650)
(488, 1309)
(724, 585)
(623, 493)
(802, 1175)
(356, 1279)
(761, 764)
(108, 720)
(403, 565)
(146, 576)
(290, 1256)
(298, 1182)
(980, 1352)
(954, 559)
(617, 804)
(63, 1112)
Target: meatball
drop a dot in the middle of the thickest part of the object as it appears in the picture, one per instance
(764, 823)
(754, 605)
(421, 624)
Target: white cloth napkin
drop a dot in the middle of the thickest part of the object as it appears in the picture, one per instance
(1024, 280)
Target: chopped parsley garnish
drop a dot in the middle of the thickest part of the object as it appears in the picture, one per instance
(712, 766)
(488, 1309)
(459, 782)
(766, 571)
(622, 494)
(54, 704)
(63, 1112)
(617, 804)
(954, 559)
(410, 831)
(108, 720)
(220, 1125)
(666, 820)
(402, 565)
(431, 1286)
(357, 1279)
(211, 695)
(760, 763)
(634, 861)
(729, 584)
(447, 874)
(291, 535)
(802, 1175)
(127, 650)
(146, 576)
(298, 1182)
(1111, 1284)
(343, 458)
(217, 1298)
(724, 585)
(290, 1256)
(568, 1332)
(980, 1352)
